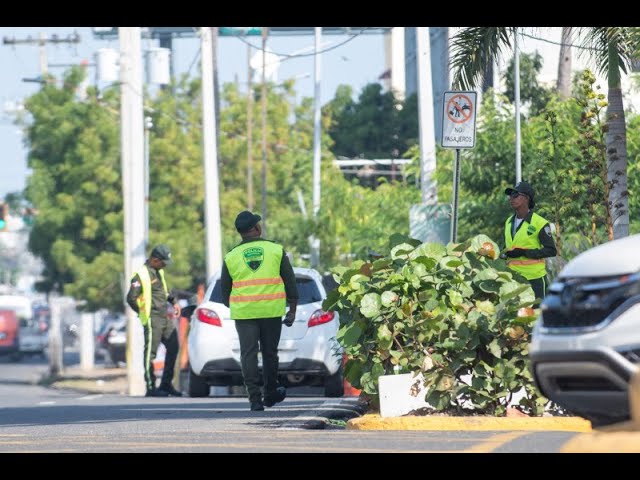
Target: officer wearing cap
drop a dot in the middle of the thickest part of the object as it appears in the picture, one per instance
(148, 296)
(257, 282)
(528, 239)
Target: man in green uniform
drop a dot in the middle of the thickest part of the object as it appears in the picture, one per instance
(148, 296)
(257, 282)
(528, 238)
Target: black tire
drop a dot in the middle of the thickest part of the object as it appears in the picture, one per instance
(334, 385)
(198, 386)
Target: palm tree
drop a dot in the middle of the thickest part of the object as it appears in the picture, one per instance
(563, 85)
(611, 48)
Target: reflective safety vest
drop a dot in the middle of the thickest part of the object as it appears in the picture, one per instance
(257, 290)
(527, 238)
(144, 300)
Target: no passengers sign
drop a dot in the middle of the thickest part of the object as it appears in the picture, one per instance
(459, 120)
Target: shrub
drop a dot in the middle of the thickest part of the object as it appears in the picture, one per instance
(447, 312)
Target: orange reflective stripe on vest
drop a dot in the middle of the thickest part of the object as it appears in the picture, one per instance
(257, 281)
(257, 298)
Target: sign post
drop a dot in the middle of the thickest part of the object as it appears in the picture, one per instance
(458, 131)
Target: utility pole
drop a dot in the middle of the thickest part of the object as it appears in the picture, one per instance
(249, 132)
(428, 188)
(264, 131)
(516, 84)
(314, 241)
(148, 124)
(210, 154)
(133, 188)
(216, 85)
(42, 42)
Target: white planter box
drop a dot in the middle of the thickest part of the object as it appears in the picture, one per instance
(400, 394)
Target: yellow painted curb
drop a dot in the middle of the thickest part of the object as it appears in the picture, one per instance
(558, 424)
(603, 442)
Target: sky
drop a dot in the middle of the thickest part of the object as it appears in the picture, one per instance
(356, 62)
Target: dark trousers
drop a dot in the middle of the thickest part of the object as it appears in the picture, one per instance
(539, 286)
(261, 334)
(159, 330)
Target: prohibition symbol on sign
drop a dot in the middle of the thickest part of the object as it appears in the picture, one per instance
(459, 109)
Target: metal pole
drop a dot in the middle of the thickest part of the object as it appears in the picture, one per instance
(516, 78)
(426, 118)
(456, 183)
(131, 135)
(211, 188)
(55, 339)
(86, 341)
(264, 132)
(148, 123)
(249, 132)
(315, 242)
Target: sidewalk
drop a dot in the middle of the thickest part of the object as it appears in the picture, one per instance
(95, 380)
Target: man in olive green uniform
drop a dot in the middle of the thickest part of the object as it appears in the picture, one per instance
(528, 238)
(257, 282)
(148, 296)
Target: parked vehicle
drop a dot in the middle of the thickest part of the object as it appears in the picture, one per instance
(586, 342)
(9, 334)
(116, 342)
(308, 351)
(32, 339)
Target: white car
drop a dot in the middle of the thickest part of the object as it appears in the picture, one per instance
(586, 343)
(308, 352)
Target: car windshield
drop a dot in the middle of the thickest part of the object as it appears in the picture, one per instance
(307, 289)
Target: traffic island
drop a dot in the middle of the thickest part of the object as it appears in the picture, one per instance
(469, 423)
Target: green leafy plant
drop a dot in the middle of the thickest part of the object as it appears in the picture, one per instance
(456, 314)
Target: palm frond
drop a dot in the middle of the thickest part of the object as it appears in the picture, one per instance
(473, 48)
(596, 42)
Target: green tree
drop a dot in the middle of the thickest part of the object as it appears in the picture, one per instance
(611, 48)
(76, 186)
(531, 92)
(377, 126)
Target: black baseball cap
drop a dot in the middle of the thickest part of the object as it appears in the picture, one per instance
(162, 252)
(524, 188)
(246, 220)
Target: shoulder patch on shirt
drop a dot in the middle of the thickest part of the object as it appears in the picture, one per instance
(547, 229)
(135, 284)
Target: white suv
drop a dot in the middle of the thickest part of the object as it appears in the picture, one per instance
(308, 352)
(586, 342)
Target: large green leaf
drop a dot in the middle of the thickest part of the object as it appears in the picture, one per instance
(401, 251)
(329, 303)
(389, 298)
(430, 250)
(350, 334)
(370, 305)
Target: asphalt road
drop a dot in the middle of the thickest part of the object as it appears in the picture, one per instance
(34, 418)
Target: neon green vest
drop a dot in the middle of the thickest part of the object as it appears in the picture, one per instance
(526, 237)
(144, 300)
(257, 290)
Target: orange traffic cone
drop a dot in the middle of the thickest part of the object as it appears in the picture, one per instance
(349, 390)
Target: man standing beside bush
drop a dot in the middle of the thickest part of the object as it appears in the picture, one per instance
(528, 239)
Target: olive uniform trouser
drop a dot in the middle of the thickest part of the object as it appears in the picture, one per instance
(262, 334)
(159, 329)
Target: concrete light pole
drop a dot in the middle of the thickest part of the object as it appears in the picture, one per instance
(211, 189)
(133, 188)
(315, 242)
(516, 84)
(425, 118)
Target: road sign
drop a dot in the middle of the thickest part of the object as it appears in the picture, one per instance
(459, 120)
